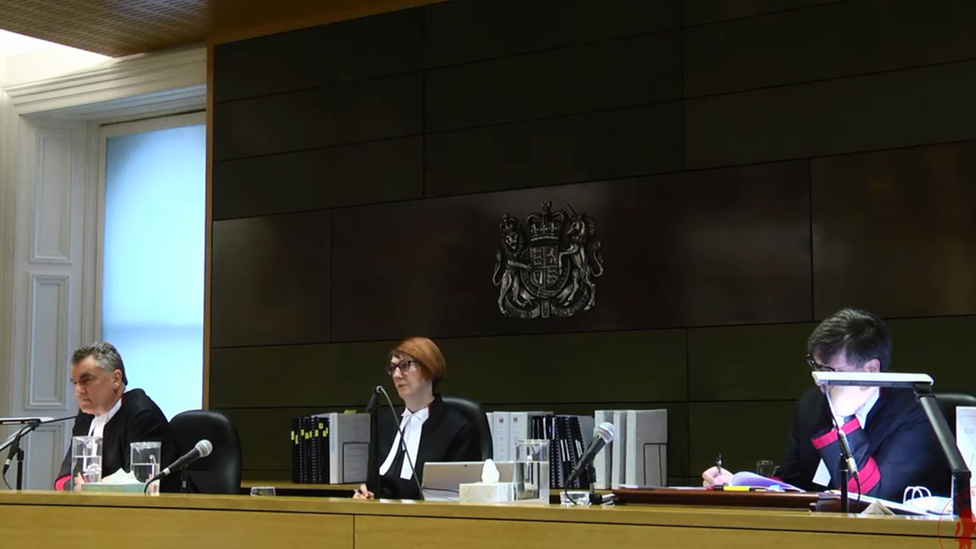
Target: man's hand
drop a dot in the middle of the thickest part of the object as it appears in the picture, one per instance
(714, 475)
(78, 481)
(846, 400)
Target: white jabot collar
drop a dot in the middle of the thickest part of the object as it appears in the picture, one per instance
(411, 423)
(97, 427)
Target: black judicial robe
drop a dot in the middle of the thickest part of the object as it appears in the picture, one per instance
(446, 436)
(139, 419)
(897, 449)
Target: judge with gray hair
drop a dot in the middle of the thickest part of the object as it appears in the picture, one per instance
(120, 417)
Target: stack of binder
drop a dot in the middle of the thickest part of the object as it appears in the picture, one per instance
(310, 450)
(568, 437)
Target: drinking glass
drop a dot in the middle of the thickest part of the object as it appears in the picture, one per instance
(86, 459)
(765, 468)
(532, 470)
(144, 458)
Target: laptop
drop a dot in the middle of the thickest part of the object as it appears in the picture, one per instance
(443, 478)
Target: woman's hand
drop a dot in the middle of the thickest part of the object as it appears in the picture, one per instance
(362, 493)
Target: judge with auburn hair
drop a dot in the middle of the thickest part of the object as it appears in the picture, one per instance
(432, 431)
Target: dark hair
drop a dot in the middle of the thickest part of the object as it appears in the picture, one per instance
(105, 355)
(860, 334)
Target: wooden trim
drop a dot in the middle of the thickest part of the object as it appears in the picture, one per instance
(664, 516)
(328, 15)
(208, 230)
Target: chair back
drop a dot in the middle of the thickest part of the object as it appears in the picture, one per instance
(473, 411)
(949, 402)
(220, 472)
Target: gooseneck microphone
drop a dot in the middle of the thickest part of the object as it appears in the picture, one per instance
(403, 442)
(604, 435)
(202, 449)
(15, 447)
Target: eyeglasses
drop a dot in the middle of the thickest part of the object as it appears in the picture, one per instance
(403, 365)
(816, 366)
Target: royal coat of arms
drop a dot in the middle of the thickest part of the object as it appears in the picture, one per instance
(551, 272)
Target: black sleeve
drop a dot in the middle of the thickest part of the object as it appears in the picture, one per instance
(465, 446)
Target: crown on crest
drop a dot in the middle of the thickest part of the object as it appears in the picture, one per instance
(508, 224)
(547, 224)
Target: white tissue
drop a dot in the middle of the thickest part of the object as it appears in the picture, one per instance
(489, 473)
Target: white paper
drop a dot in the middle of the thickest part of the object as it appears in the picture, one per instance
(489, 473)
(822, 476)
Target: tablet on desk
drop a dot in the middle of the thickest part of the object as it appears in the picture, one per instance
(442, 478)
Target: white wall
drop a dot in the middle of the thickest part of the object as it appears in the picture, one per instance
(48, 196)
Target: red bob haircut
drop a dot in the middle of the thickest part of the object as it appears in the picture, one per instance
(427, 355)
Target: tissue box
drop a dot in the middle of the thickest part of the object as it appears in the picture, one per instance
(486, 492)
(128, 488)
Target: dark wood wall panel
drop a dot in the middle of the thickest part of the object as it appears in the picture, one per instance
(364, 173)
(711, 435)
(941, 347)
(618, 73)
(702, 248)
(320, 56)
(362, 169)
(894, 231)
(864, 36)
(473, 30)
(748, 362)
(568, 149)
(697, 12)
(838, 116)
(264, 435)
(271, 280)
(348, 113)
(647, 365)
(308, 375)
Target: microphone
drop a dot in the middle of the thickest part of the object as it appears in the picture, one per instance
(845, 448)
(604, 435)
(373, 400)
(201, 450)
(15, 445)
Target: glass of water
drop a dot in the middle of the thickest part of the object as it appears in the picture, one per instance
(144, 458)
(86, 460)
(765, 468)
(532, 470)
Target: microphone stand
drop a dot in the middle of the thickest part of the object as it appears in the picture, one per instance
(845, 503)
(16, 450)
(374, 458)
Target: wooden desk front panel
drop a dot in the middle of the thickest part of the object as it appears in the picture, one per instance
(82, 527)
(384, 532)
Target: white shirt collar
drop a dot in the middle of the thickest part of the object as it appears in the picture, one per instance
(97, 427)
(412, 424)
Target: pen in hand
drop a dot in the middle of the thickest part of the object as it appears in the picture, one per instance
(718, 466)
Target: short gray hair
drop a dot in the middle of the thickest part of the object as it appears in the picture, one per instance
(106, 356)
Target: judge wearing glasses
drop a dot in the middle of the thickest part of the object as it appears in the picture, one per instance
(432, 431)
(891, 439)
